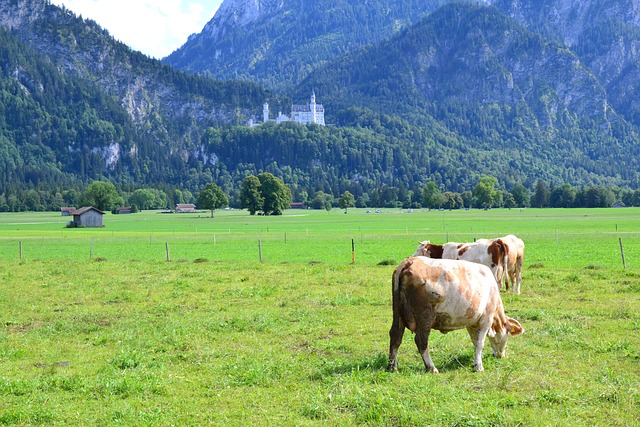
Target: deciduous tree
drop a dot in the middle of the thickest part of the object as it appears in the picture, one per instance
(346, 201)
(101, 195)
(250, 195)
(212, 197)
(277, 196)
(485, 192)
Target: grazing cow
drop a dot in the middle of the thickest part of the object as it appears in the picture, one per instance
(446, 295)
(492, 253)
(514, 262)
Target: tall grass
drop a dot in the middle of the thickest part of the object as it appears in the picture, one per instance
(215, 337)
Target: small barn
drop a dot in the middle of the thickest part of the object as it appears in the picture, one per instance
(87, 216)
(67, 211)
(185, 208)
(124, 210)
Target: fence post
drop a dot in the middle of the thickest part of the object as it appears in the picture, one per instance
(260, 250)
(166, 248)
(624, 264)
(353, 252)
(20, 250)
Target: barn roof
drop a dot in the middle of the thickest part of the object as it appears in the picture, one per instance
(86, 209)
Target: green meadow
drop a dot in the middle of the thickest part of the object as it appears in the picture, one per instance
(270, 321)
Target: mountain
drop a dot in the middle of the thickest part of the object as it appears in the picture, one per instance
(486, 96)
(473, 57)
(604, 34)
(278, 42)
(90, 107)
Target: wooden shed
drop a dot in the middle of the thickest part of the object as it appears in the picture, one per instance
(67, 211)
(87, 216)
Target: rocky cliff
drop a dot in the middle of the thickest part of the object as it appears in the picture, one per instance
(278, 42)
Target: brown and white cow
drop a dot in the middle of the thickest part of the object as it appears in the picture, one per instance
(446, 295)
(515, 259)
(492, 253)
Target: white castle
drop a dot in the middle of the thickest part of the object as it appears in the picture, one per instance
(303, 114)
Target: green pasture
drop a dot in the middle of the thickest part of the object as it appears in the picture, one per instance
(556, 237)
(97, 328)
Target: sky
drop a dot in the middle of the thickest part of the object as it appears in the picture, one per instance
(153, 27)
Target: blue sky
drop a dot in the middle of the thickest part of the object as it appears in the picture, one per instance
(153, 27)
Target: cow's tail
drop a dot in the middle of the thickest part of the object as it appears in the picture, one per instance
(401, 305)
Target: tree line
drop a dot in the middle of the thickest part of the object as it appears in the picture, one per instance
(267, 194)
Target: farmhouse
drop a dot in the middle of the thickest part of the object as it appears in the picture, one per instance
(185, 208)
(87, 216)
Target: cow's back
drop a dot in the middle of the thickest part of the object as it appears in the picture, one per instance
(459, 292)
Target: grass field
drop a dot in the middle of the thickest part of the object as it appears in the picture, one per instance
(97, 328)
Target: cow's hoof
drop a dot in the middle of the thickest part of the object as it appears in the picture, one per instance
(478, 368)
(392, 368)
(434, 370)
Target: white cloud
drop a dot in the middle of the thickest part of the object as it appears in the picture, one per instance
(154, 27)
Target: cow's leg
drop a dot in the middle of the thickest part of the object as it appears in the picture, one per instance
(510, 279)
(395, 339)
(425, 321)
(518, 275)
(477, 336)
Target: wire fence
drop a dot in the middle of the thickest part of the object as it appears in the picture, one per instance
(607, 249)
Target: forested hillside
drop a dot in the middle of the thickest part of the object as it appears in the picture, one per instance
(78, 106)
(500, 92)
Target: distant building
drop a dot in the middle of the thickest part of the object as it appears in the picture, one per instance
(87, 216)
(297, 205)
(185, 208)
(303, 114)
(123, 210)
(67, 211)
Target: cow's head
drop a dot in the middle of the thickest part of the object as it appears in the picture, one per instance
(423, 249)
(499, 333)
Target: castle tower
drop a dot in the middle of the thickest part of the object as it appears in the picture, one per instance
(265, 112)
(312, 106)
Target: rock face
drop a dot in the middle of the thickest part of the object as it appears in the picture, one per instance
(472, 57)
(278, 42)
(240, 13)
(604, 34)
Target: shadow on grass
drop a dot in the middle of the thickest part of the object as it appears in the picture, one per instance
(457, 362)
(379, 361)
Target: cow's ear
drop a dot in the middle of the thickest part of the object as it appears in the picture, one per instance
(514, 327)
